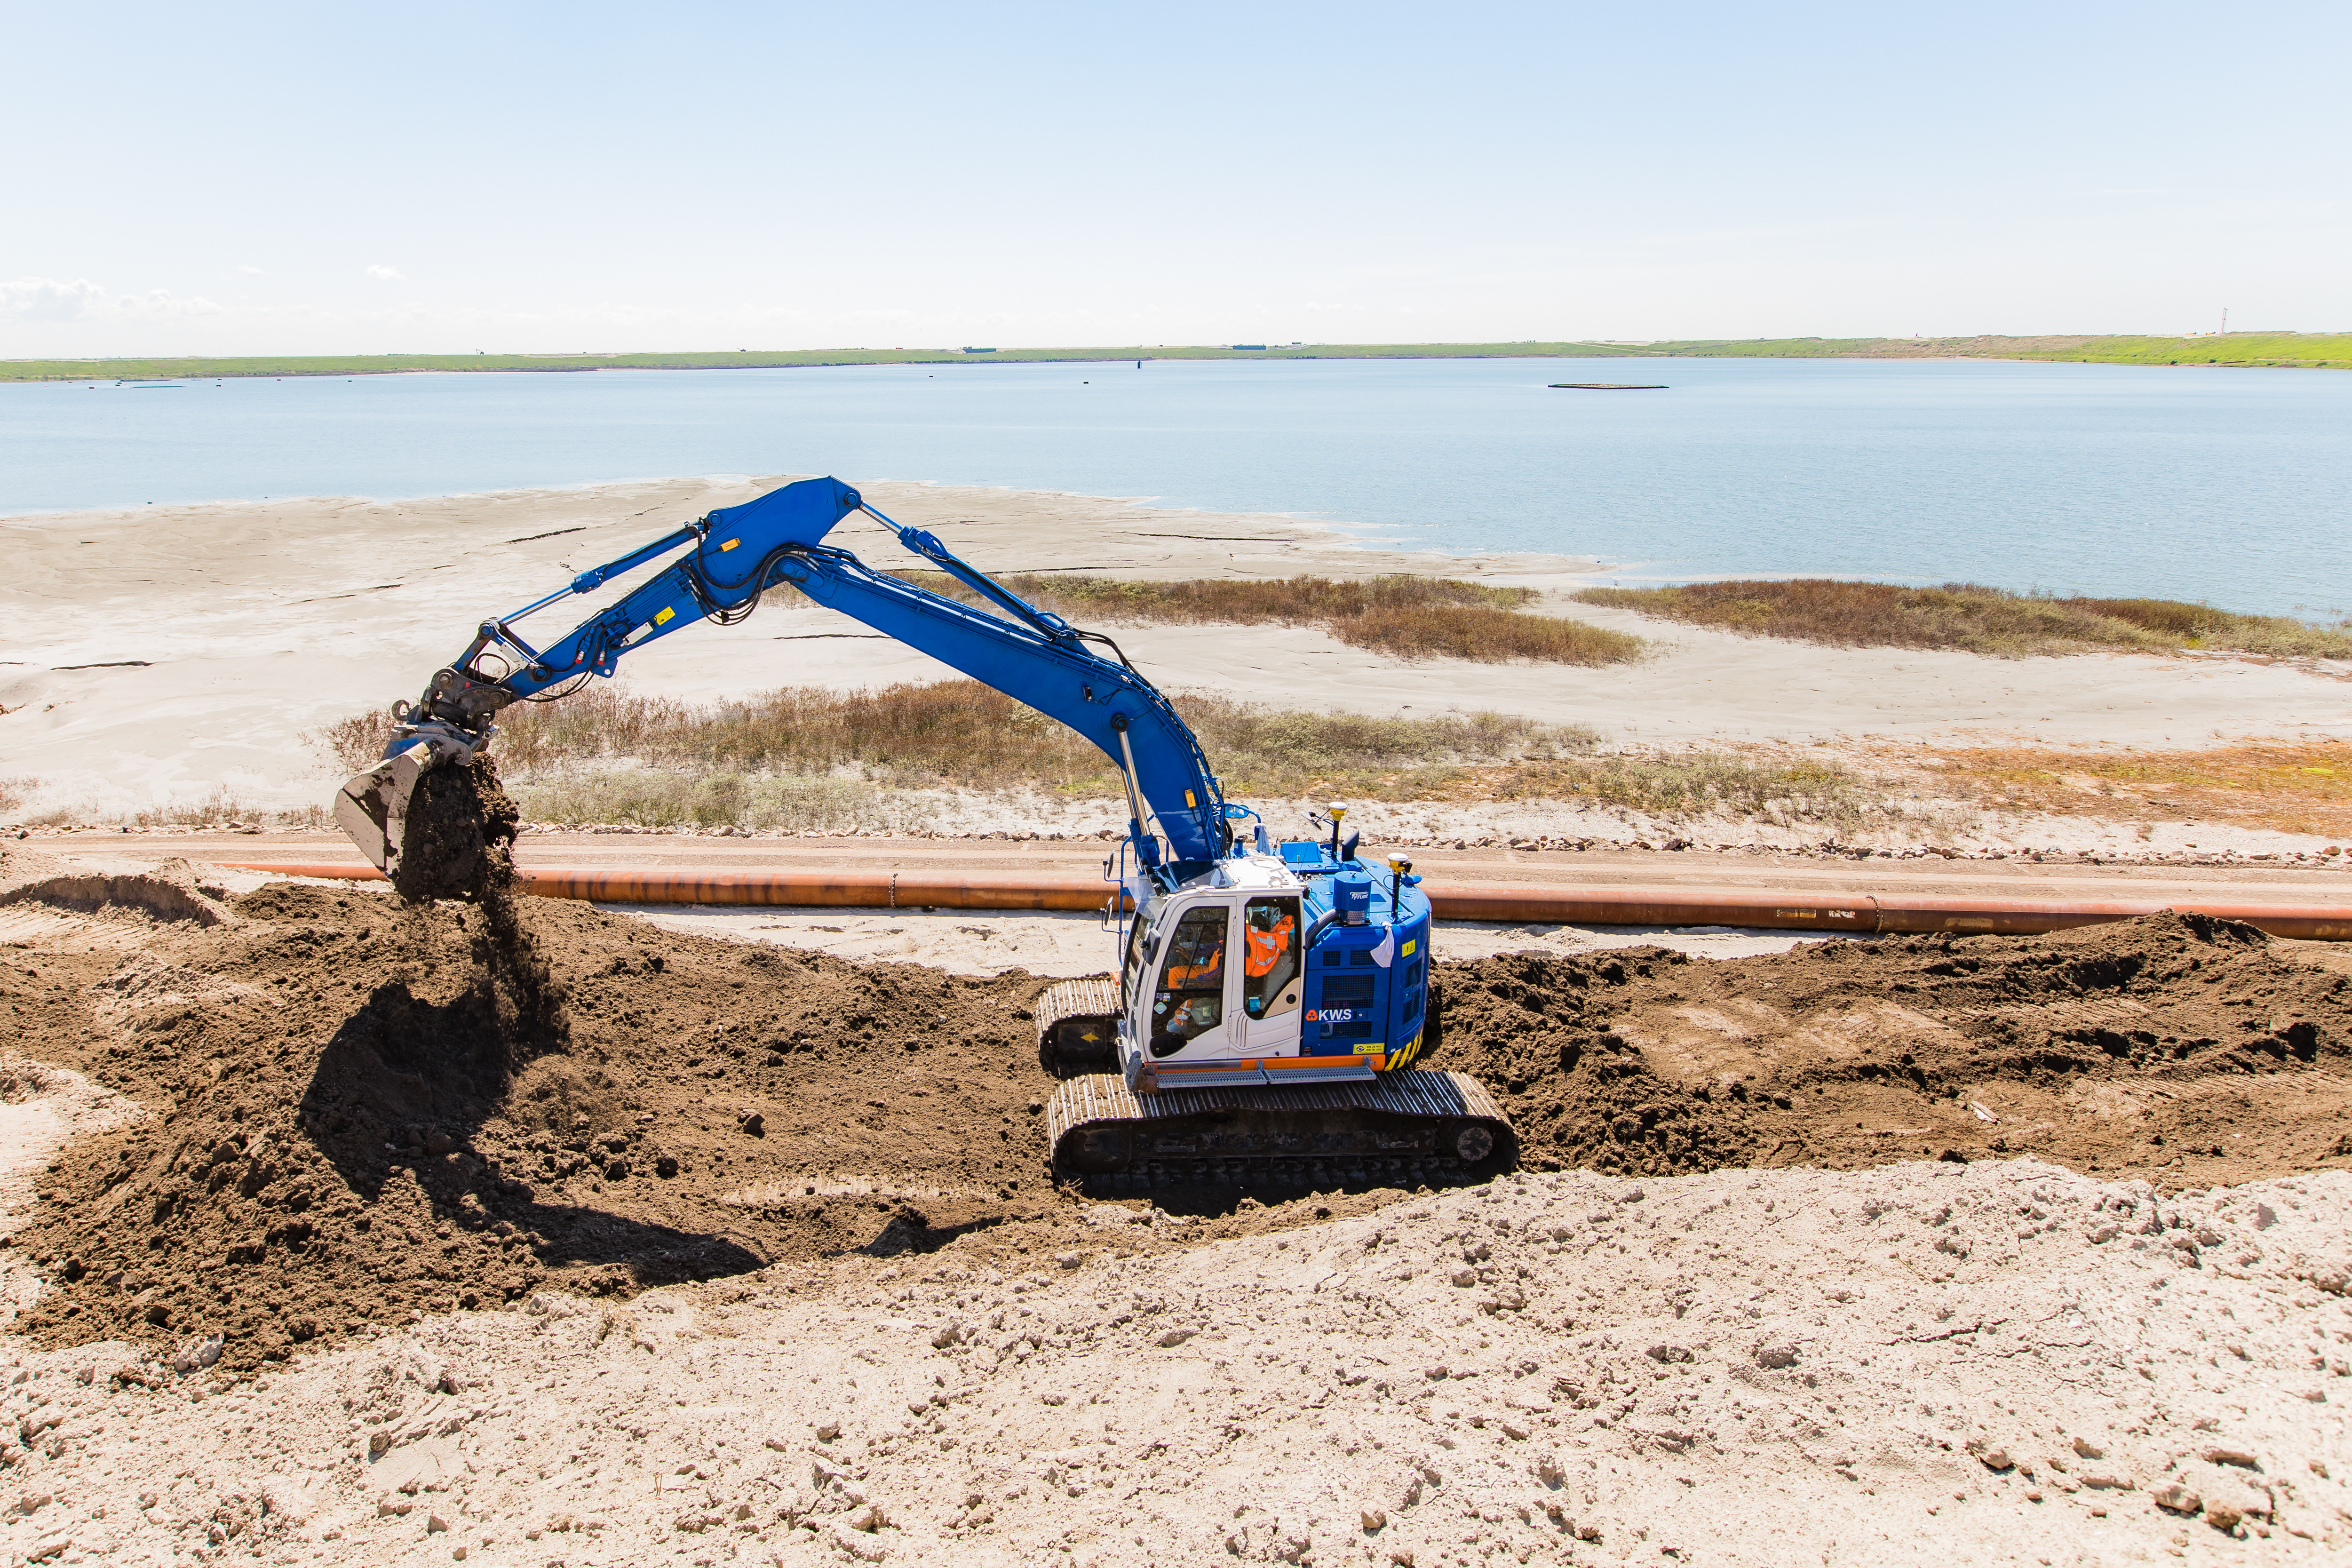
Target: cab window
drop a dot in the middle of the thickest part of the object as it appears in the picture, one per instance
(1143, 946)
(1192, 996)
(1270, 928)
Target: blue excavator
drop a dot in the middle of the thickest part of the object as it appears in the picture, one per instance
(1272, 996)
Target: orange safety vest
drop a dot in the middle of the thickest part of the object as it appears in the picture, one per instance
(1266, 947)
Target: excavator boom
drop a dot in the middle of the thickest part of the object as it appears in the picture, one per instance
(724, 563)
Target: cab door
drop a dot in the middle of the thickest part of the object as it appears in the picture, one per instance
(1195, 986)
(1272, 975)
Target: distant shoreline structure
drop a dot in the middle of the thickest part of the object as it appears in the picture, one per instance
(2308, 350)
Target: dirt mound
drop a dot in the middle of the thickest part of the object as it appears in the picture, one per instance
(2188, 1048)
(364, 1108)
(169, 892)
(358, 1114)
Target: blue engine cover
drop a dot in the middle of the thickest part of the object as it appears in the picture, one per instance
(1367, 983)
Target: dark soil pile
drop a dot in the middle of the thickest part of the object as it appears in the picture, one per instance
(355, 1119)
(2188, 1050)
(458, 840)
(364, 1108)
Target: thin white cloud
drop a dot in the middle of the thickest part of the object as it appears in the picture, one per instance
(390, 274)
(250, 271)
(54, 299)
(162, 304)
(49, 299)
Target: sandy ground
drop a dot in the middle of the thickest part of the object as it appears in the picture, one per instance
(1930, 1362)
(1921, 1363)
(159, 654)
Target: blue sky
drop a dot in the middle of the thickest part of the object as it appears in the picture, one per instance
(252, 178)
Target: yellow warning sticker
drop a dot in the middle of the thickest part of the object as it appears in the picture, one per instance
(1410, 945)
(1369, 1047)
(1189, 800)
(666, 617)
(728, 545)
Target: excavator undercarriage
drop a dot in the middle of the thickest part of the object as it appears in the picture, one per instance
(1408, 1128)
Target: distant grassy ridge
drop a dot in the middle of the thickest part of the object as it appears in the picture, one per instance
(1972, 619)
(2318, 350)
(961, 732)
(2324, 351)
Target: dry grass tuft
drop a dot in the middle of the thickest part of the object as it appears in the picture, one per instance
(14, 792)
(1971, 618)
(354, 743)
(649, 797)
(810, 761)
(959, 733)
(1471, 631)
(222, 808)
(2293, 786)
(1404, 616)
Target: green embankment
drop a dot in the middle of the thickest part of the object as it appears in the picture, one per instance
(2322, 350)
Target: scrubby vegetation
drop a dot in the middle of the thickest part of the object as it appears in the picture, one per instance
(1972, 619)
(1785, 792)
(2293, 786)
(816, 761)
(1402, 616)
(960, 733)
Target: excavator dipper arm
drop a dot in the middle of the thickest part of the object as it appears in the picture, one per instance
(730, 559)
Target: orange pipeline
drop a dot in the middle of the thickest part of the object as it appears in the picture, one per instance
(1849, 913)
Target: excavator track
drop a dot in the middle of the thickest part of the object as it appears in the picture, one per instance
(1077, 1025)
(1411, 1128)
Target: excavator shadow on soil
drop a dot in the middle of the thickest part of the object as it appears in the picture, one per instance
(402, 1094)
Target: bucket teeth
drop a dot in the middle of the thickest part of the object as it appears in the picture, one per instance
(371, 808)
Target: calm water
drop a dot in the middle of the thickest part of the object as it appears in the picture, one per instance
(2233, 487)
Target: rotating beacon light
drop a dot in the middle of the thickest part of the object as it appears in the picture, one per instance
(1400, 868)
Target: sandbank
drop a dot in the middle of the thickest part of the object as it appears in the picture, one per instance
(159, 653)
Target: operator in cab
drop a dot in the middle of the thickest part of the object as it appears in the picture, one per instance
(1273, 956)
(1191, 999)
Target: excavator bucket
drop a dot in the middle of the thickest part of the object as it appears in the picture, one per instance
(371, 808)
(428, 824)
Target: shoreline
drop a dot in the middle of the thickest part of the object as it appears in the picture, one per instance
(2252, 350)
(1343, 535)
